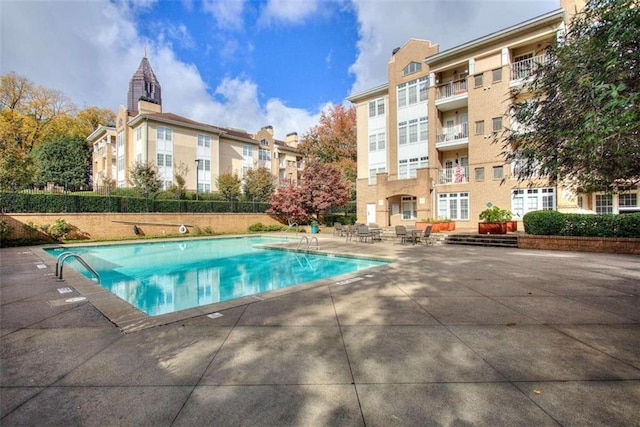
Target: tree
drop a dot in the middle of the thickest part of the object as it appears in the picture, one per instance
(333, 140)
(322, 188)
(258, 185)
(144, 177)
(229, 186)
(179, 186)
(64, 162)
(17, 169)
(581, 123)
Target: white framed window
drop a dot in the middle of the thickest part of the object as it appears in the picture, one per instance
(604, 203)
(377, 142)
(138, 133)
(413, 131)
(407, 168)
(376, 107)
(164, 138)
(412, 92)
(204, 141)
(409, 207)
(424, 129)
(402, 133)
(264, 154)
(373, 172)
(453, 205)
(525, 200)
(412, 67)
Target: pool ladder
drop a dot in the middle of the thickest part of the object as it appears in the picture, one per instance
(66, 255)
(309, 242)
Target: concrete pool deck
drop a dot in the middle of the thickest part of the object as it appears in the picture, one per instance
(446, 335)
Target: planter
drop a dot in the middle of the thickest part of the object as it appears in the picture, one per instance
(492, 228)
(421, 225)
(451, 226)
(512, 226)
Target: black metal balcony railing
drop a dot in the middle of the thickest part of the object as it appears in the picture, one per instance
(527, 67)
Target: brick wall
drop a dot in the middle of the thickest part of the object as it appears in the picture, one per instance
(581, 244)
(116, 225)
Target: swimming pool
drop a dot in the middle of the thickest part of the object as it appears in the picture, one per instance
(165, 277)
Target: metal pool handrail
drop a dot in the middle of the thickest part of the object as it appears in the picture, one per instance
(64, 256)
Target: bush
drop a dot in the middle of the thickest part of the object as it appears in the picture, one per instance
(259, 227)
(60, 228)
(554, 223)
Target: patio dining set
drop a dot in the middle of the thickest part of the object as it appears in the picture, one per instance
(373, 233)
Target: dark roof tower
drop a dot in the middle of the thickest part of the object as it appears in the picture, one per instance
(143, 85)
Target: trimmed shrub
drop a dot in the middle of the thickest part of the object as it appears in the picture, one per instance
(553, 223)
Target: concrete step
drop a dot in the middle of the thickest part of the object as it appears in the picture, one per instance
(495, 240)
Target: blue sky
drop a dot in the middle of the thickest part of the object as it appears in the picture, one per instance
(235, 63)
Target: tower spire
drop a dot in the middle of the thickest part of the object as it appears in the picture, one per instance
(143, 85)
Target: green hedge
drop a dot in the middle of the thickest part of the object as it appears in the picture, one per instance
(554, 223)
(73, 203)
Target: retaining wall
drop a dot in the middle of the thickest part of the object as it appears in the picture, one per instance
(581, 244)
(117, 225)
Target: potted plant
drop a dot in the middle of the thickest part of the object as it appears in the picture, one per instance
(494, 220)
(421, 225)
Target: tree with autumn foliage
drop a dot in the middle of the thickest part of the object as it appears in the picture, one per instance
(322, 188)
(333, 141)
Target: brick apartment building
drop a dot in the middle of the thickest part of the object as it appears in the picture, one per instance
(144, 133)
(426, 138)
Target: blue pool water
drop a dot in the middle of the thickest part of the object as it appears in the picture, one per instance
(164, 277)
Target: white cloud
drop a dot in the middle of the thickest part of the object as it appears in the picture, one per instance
(227, 13)
(385, 25)
(287, 11)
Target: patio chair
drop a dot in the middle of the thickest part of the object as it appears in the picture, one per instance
(401, 233)
(363, 233)
(426, 236)
(349, 231)
(338, 229)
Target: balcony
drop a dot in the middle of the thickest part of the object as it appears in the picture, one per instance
(453, 138)
(525, 69)
(452, 95)
(455, 175)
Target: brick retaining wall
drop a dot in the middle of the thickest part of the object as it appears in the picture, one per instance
(581, 244)
(117, 225)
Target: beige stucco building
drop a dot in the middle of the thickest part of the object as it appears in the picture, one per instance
(175, 144)
(426, 138)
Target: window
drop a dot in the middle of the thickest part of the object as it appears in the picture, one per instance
(376, 107)
(412, 67)
(532, 199)
(413, 131)
(412, 92)
(377, 142)
(496, 124)
(477, 80)
(409, 207)
(422, 83)
(424, 129)
(480, 127)
(264, 154)
(604, 203)
(160, 160)
(628, 200)
(402, 133)
(138, 133)
(402, 95)
(373, 172)
(497, 172)
(453, 205)
(204, 141)
(479, 174)
(247, 151)
(164, 139)
(496, 75)
(168, 160)
(407, 167)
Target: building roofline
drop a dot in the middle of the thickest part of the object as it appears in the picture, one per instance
(473, 44)
(99, 130)
(368, 93)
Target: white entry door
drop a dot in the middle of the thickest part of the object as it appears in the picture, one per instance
(371, 212)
